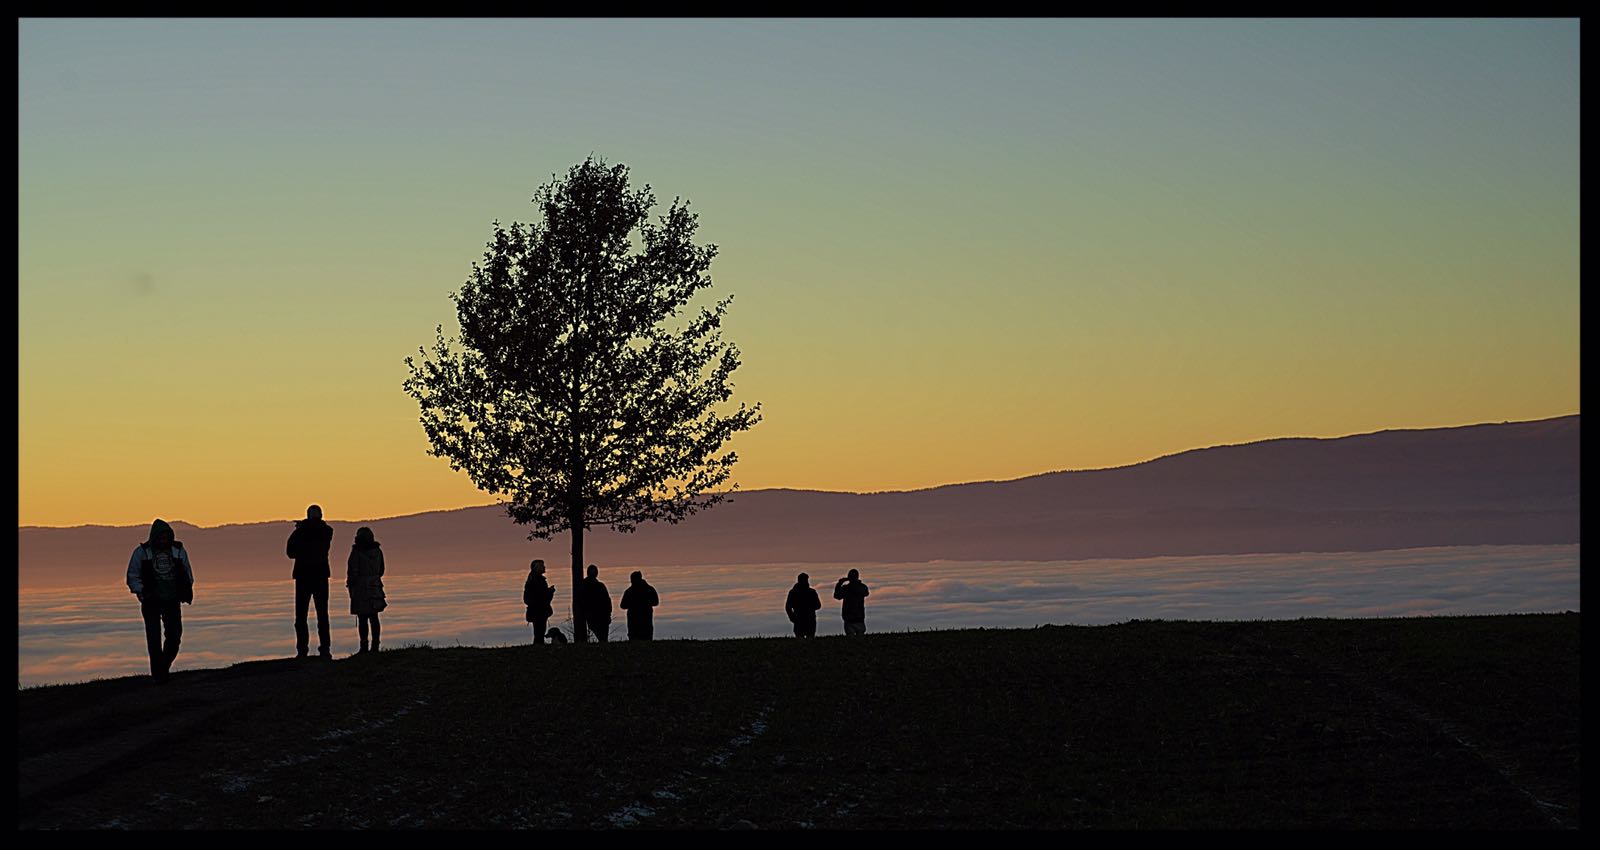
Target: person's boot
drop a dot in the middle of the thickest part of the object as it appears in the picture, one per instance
(363, 649)
(374, 644)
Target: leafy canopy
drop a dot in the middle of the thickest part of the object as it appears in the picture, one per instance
(582, 387)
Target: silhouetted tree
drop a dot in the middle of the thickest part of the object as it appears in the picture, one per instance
(584, 389)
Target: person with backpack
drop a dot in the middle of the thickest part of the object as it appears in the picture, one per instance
(364, 580)
(537, 596)
(160, 576)
(639, 600)
(802, 606)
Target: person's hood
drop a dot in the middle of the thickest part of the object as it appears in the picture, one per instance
(156, 529)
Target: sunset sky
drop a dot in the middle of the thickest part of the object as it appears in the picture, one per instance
(959, 249)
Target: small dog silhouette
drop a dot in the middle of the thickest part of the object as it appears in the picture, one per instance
(555, 635)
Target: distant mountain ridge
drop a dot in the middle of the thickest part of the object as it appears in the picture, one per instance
(1509, 483)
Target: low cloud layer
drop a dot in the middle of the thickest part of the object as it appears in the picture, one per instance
(68, 635)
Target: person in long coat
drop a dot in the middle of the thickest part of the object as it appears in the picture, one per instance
(364, 579)
(595, 600)
(639, 600)
(537, 595)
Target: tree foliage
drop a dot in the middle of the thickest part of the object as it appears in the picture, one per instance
(583, 387)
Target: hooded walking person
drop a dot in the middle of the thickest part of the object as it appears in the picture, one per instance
(640, 600)
(308, 546)
(802, 606)
(364, 579)
(160, 576)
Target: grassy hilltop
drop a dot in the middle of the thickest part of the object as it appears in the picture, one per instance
(1453, 722)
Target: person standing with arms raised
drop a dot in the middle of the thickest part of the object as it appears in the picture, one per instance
(308, 546)
(854, 593)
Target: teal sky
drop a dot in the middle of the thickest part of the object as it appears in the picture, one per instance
(960, 249)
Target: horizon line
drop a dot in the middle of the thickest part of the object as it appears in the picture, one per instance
(860, 492)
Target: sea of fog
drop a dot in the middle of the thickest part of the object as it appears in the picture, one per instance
(75, 634)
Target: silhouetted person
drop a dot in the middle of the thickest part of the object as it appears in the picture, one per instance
(596, 603)
(538, 595)
(308, 546)
(160, 576)
(802, 606)
(364, 578)
(852, 591)
(640, 600)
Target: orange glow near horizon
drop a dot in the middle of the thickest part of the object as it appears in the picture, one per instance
(960, 249)
(361, 482)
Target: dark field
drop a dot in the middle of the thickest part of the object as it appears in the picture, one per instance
(1450, 722)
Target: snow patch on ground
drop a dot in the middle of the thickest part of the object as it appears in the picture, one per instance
(684, 782)
(629, 815)
(238, 783)
(337, 734)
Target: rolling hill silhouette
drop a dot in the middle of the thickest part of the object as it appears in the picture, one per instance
(1510, 483)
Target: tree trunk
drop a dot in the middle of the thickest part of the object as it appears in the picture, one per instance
(580, 632)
